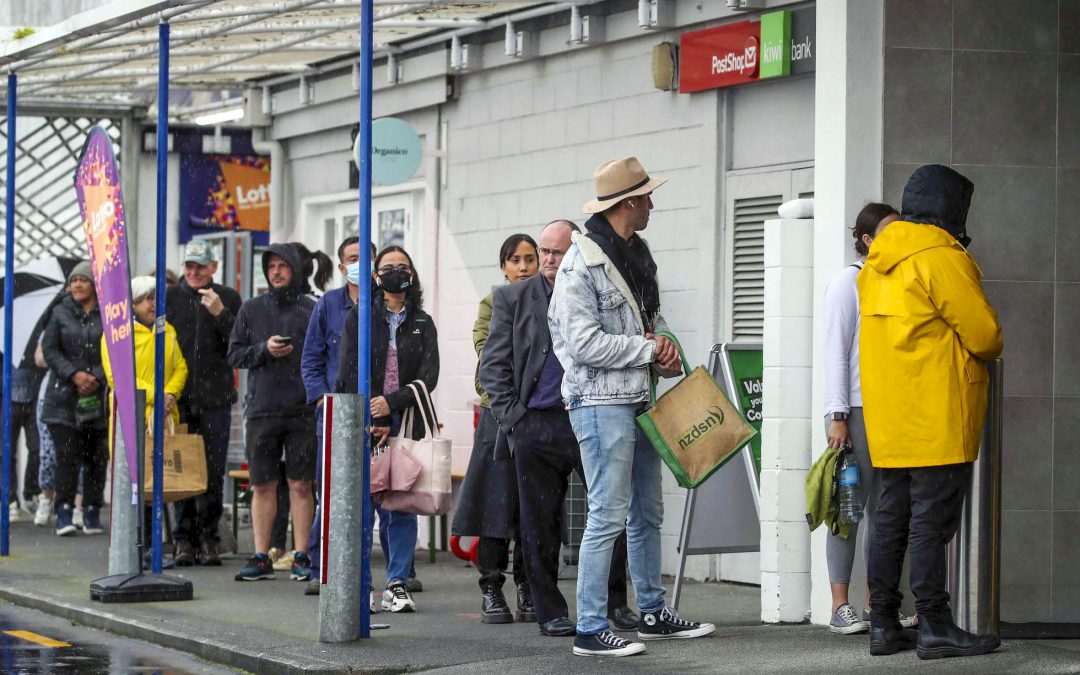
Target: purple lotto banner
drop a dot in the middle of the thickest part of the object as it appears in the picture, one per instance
(97, 185)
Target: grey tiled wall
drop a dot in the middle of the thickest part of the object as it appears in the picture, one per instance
(992, 88)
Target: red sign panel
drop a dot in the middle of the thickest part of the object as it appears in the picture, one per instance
(719, 57)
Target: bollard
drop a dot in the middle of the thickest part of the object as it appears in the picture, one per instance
(123, 553)
(975, 551)
(341, 520)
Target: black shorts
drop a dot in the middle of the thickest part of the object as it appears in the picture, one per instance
(268, 438)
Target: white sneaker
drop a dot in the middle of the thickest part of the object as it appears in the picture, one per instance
(77, 518)
(397, 599)
(13, 512)
(372, 605)
(44, 510)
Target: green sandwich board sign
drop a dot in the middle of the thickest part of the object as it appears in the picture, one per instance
(775, 45)
(746, 372)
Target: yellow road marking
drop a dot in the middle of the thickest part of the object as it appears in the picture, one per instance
(34, 637)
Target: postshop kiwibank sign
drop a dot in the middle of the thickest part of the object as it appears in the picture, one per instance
(778, 44)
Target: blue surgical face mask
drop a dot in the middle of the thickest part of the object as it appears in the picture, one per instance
(352, 272)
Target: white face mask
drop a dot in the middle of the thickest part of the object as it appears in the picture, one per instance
(352, 272)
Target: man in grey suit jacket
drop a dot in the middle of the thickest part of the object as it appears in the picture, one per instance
(523, 379)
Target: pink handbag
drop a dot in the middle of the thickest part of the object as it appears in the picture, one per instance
(393, 468)
(430, 494)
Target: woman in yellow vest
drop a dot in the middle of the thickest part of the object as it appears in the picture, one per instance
(176, 371)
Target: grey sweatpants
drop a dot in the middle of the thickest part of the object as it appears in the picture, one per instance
(840, 552)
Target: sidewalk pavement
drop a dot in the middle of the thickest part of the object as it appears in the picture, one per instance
(272, 627)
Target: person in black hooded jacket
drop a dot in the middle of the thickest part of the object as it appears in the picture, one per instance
(267, 340)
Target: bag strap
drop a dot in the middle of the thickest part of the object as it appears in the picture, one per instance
(682, 357)
(430, 404)
(416, 394)
(406, 424)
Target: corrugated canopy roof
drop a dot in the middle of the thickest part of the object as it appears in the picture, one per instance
(110, 54)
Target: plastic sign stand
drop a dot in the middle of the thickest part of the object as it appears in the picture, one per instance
(140, 587)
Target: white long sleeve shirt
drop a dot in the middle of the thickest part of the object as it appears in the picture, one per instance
(841, 312)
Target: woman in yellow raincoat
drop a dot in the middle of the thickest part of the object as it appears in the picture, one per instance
(176, 371)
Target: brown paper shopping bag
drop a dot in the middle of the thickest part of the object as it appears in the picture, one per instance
(183, 465)
(694, 426)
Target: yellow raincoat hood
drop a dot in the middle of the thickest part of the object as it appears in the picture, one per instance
(927, 331)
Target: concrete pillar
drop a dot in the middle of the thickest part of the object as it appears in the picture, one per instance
(341, 519)
(848, 120)
(785, 432)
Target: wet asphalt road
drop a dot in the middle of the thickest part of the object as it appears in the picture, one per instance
(32, 642)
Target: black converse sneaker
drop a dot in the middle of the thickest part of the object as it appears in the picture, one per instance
(605, 643)
(665, 624)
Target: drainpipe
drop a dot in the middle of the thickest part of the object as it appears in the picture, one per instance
(266, 146)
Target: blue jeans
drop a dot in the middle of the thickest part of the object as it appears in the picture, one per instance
(622, 471)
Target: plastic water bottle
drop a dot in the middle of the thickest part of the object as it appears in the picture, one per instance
(851, 510)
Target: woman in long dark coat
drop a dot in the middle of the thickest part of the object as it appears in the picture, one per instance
(487, 506)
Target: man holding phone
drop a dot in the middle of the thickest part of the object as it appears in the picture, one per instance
(267, 340)
(203, 313)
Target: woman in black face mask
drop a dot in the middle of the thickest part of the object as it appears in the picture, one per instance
(404, 348)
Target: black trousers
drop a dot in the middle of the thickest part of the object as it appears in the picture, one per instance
(492, 556)
(75, 448)
(24, 417)
(919, 511)
(545, 452)
(197, 518)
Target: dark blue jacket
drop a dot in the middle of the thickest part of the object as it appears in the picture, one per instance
(319, 363)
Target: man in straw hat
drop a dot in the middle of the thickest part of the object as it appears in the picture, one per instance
(603, 316)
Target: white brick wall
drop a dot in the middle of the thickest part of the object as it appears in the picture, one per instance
(785, 452)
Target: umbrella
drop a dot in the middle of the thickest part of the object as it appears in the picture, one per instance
(38, 286)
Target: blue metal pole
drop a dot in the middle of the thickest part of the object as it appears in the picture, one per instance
(9, 311)
(363, 304)
(159, 294)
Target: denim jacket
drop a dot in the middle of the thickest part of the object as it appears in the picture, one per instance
(597, 331)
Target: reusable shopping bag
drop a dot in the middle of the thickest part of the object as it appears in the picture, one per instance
(393, 466)
(183, 464)
(693, 426)
(430, 495)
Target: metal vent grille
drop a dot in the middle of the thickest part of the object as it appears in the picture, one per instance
(748, 266)
(47, 220)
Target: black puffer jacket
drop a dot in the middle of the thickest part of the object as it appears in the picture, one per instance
(204, 341)
(418, 357)
(938, 195)
(274, 385)
(71, 344)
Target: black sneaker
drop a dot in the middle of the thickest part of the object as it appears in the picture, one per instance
(301, 567)
(258, 567)
(605, 643)
(665, 624)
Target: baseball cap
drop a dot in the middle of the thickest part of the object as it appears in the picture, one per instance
(199, 252)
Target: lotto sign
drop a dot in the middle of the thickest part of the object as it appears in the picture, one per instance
(719, 57)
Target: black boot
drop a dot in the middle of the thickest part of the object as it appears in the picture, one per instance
(495, 609)
(941, 638)
(890, 640)
(526, 611)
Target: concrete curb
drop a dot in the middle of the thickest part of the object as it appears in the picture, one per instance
(202, 646)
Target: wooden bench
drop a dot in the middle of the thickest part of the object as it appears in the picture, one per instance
(240, 478)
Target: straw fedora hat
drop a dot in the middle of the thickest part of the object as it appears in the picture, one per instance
(618, 179)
